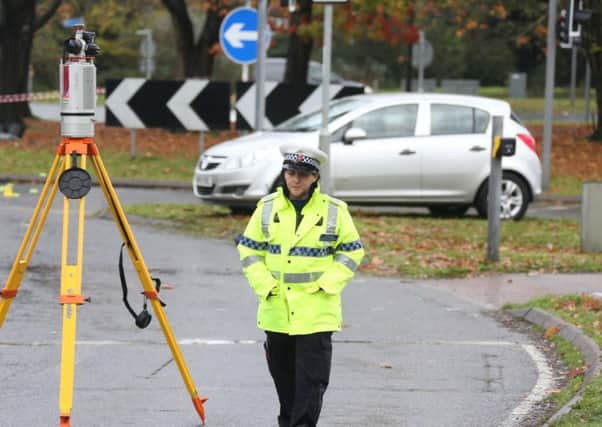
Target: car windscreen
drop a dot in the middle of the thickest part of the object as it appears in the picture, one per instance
(309, 122)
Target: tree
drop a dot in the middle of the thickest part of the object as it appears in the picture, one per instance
(592, 47)
(299, 44)
(197, 54)
(19, 20)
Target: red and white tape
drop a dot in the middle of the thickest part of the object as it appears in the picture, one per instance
(38, 96)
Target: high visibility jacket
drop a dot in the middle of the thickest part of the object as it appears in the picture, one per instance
(298, 274)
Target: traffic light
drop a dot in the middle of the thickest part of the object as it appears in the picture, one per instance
(564, 30)
(581, 16)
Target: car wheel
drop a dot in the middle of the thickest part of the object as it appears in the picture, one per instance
(448, 211)
(514, 200)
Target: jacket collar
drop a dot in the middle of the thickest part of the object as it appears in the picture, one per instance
(312, 210)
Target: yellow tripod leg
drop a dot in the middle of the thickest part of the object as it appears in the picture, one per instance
(145, 279)
(30, 239)
(70, 298)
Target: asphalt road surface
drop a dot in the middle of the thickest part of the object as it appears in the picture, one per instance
(407, 356)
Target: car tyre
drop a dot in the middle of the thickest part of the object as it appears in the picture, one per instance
(448, 211)
(515, 197)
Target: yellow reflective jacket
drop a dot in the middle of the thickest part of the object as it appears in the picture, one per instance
(298, 274)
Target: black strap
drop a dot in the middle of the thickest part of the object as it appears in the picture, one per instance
(124, 287)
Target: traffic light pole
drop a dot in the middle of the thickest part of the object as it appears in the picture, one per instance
(262, 12)
(324, 144)
(549, 93)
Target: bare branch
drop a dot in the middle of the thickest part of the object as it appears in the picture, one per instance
(40, 21)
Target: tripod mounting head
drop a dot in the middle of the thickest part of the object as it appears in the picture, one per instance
(81, 45)
(77, 77)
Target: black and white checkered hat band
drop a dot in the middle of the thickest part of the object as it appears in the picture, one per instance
(302, 158)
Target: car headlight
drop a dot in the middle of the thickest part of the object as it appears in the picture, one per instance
(232, 163)
(246, 160)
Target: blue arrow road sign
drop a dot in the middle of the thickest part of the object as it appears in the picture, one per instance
(238, 35)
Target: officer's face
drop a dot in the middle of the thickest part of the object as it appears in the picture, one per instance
(299, 183)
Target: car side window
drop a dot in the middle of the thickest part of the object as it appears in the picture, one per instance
(447, 119)
(481, 121)
(389, 122)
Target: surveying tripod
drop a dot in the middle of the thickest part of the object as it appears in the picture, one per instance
(74, 182)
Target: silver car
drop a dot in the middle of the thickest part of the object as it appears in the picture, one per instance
(388, 149)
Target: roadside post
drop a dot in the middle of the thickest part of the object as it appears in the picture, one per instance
(147, 66)
(262, 7)
(500, 147)
(549, 93)
(324, 145)
(494, 192)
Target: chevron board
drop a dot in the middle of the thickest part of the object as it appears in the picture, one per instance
(283, 101)
(195, 105)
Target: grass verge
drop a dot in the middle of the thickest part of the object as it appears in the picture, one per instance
(146, 165)
(584, 312)
(420, 246)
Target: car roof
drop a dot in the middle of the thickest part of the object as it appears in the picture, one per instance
(471, 100)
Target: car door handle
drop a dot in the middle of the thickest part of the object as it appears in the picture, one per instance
(477, 148)
(406, 152)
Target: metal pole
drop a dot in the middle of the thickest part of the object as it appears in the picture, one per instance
(588, 84)
(201, 142)
(549, 96)
(421, 61)
(325, 178)
(245, 67)
(573, 74)
(494, 194)
(133, 144)
(262, 10)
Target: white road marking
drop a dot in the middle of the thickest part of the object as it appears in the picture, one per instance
(545, 381)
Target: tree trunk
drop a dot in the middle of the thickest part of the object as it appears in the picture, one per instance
(592, 42)
(201, 63)
(595, 60)
(197, 56)
(299, 47)
(18, 23)
(16, 33)
(596, 136)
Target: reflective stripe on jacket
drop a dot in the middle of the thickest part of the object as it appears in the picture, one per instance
(298, 275)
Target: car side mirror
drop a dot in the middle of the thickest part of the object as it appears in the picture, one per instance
(352, 134)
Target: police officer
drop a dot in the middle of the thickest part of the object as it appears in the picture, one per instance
(298, 252)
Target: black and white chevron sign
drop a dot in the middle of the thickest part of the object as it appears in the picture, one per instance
(196, 105)
(283, 101)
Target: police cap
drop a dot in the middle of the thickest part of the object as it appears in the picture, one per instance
(305, 159)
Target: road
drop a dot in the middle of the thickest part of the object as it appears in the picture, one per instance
(407, 356)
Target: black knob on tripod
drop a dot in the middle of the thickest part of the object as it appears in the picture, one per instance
(75, 182)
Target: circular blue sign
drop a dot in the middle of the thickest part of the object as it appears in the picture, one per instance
(238, 35)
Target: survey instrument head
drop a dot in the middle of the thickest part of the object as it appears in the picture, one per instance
(77, 77)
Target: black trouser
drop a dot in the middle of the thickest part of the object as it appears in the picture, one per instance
(300, 367)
